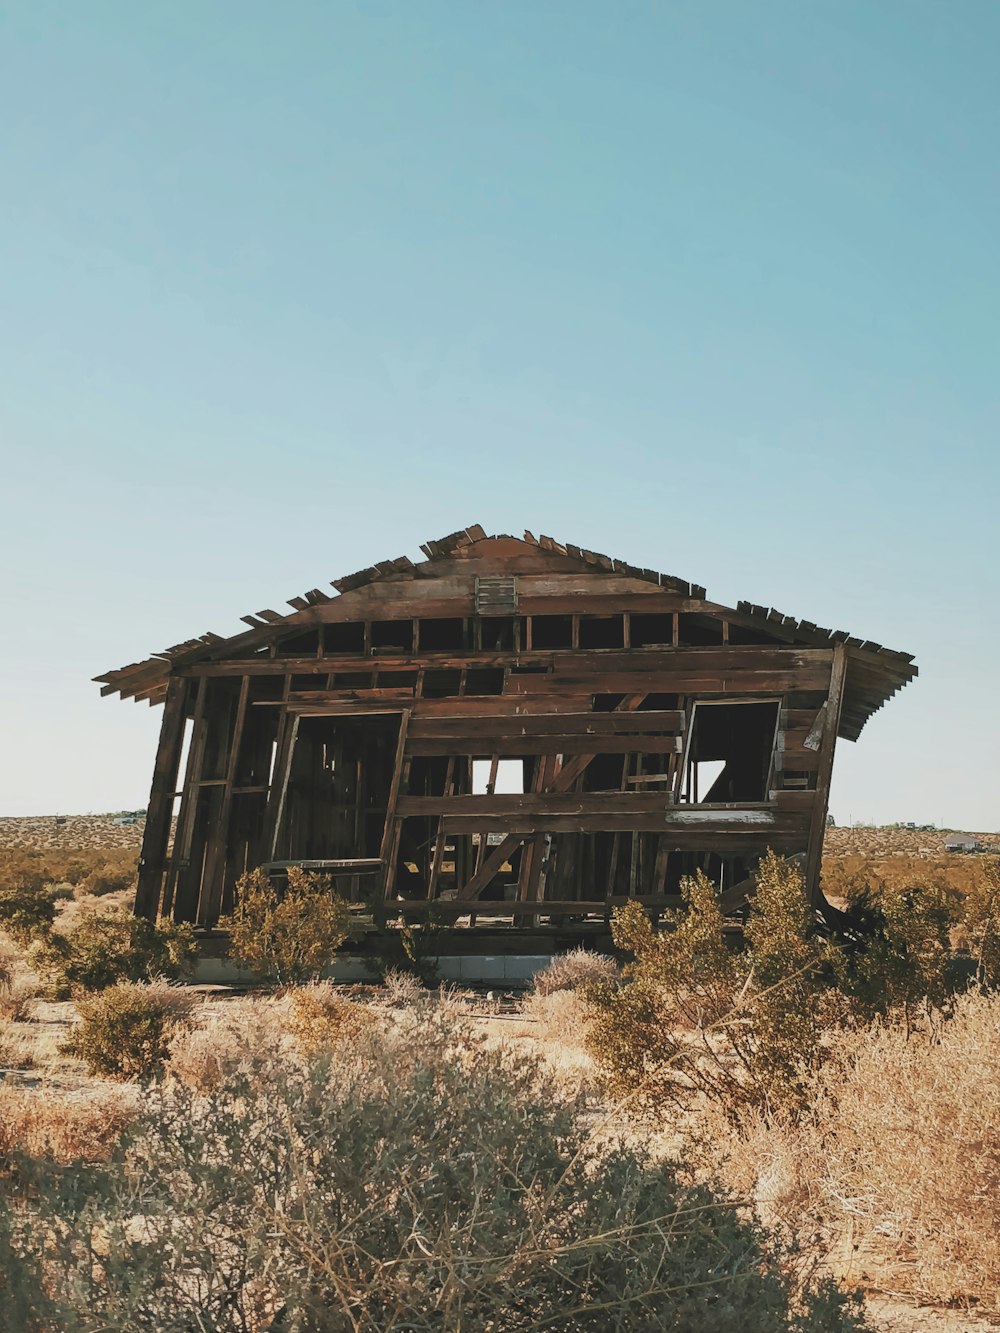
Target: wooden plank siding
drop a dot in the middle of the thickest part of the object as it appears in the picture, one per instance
(580, 686)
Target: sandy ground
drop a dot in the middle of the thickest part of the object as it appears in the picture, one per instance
(69, 832)
(75, 832)
(52, 1072)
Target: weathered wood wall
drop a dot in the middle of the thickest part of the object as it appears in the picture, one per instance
(347, 734)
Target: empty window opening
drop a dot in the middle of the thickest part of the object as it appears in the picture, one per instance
(695, 631)
(652, 631)
(729, 755)
(496, 634)
(442, 636)
(658, 702)
(739, 634)
(392, 636)
(441, 684)
(266, 687)
(484, 681)
(346, 637)
(602, 632)
(397, 680)
(182, 763)
(551, 632)
(702, 778)
(352, 680)
(509, 776)
(300, 645)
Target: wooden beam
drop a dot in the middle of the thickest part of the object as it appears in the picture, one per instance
(516, 747)
(279, 782)
(213, 882)
(156, 835)
(824, 772)
(390, 829)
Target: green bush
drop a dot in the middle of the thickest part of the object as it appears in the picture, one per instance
(108, 879)
(981, 924)
(27, 906)
(742, 1028)
(894, 950)
(108, 947)
(124, 1032)
(291, 933)
(425, 1183)
(749, 1028)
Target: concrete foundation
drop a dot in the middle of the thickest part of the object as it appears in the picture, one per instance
(508, 970)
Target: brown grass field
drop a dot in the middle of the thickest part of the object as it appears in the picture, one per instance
(874, 1186)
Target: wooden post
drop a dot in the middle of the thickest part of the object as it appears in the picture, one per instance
(279, 781)
(189, 800)
(156, 836)
(210, 905)
(828, 741)
(393, 826)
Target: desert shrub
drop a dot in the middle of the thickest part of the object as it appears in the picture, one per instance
(743, 1029)
(981, 923)
(240, 1039)
(124, 1032)
(291, 933)
(894, 950)
(27, 906)
(17, 990)
(65, 1126)
(107, 879)
(412, 947)
(429, 1182)
(318, 1019)
(15, 1048)
(897, 1166)
(109, 947)
(952, 875)
(575, 970)
(401, 988)
(53, 866)
(562, 1017)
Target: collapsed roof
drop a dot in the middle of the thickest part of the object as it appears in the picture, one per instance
(874, 673)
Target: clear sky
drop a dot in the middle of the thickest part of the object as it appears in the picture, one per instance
(709, 285)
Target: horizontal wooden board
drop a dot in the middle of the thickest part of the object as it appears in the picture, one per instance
(681, 680)
(602, 802)
(788, 835)
(561, 907)
(514, 746)
(734, 657)
(668, 721)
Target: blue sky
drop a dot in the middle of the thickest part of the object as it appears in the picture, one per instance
(288, 289)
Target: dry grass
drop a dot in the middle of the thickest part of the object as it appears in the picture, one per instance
(16, 1045)
(19, 985)
(895, 1173)
(235, 1037)
(954, 874)
(401, 988)
(561, 1018)
(71, 865)
(574, 970)
(75, 1125)
(124, 1031)
(319, 1020)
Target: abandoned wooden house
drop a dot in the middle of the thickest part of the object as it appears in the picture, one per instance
(512, 731)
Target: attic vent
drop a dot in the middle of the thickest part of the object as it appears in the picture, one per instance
(496, 596)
